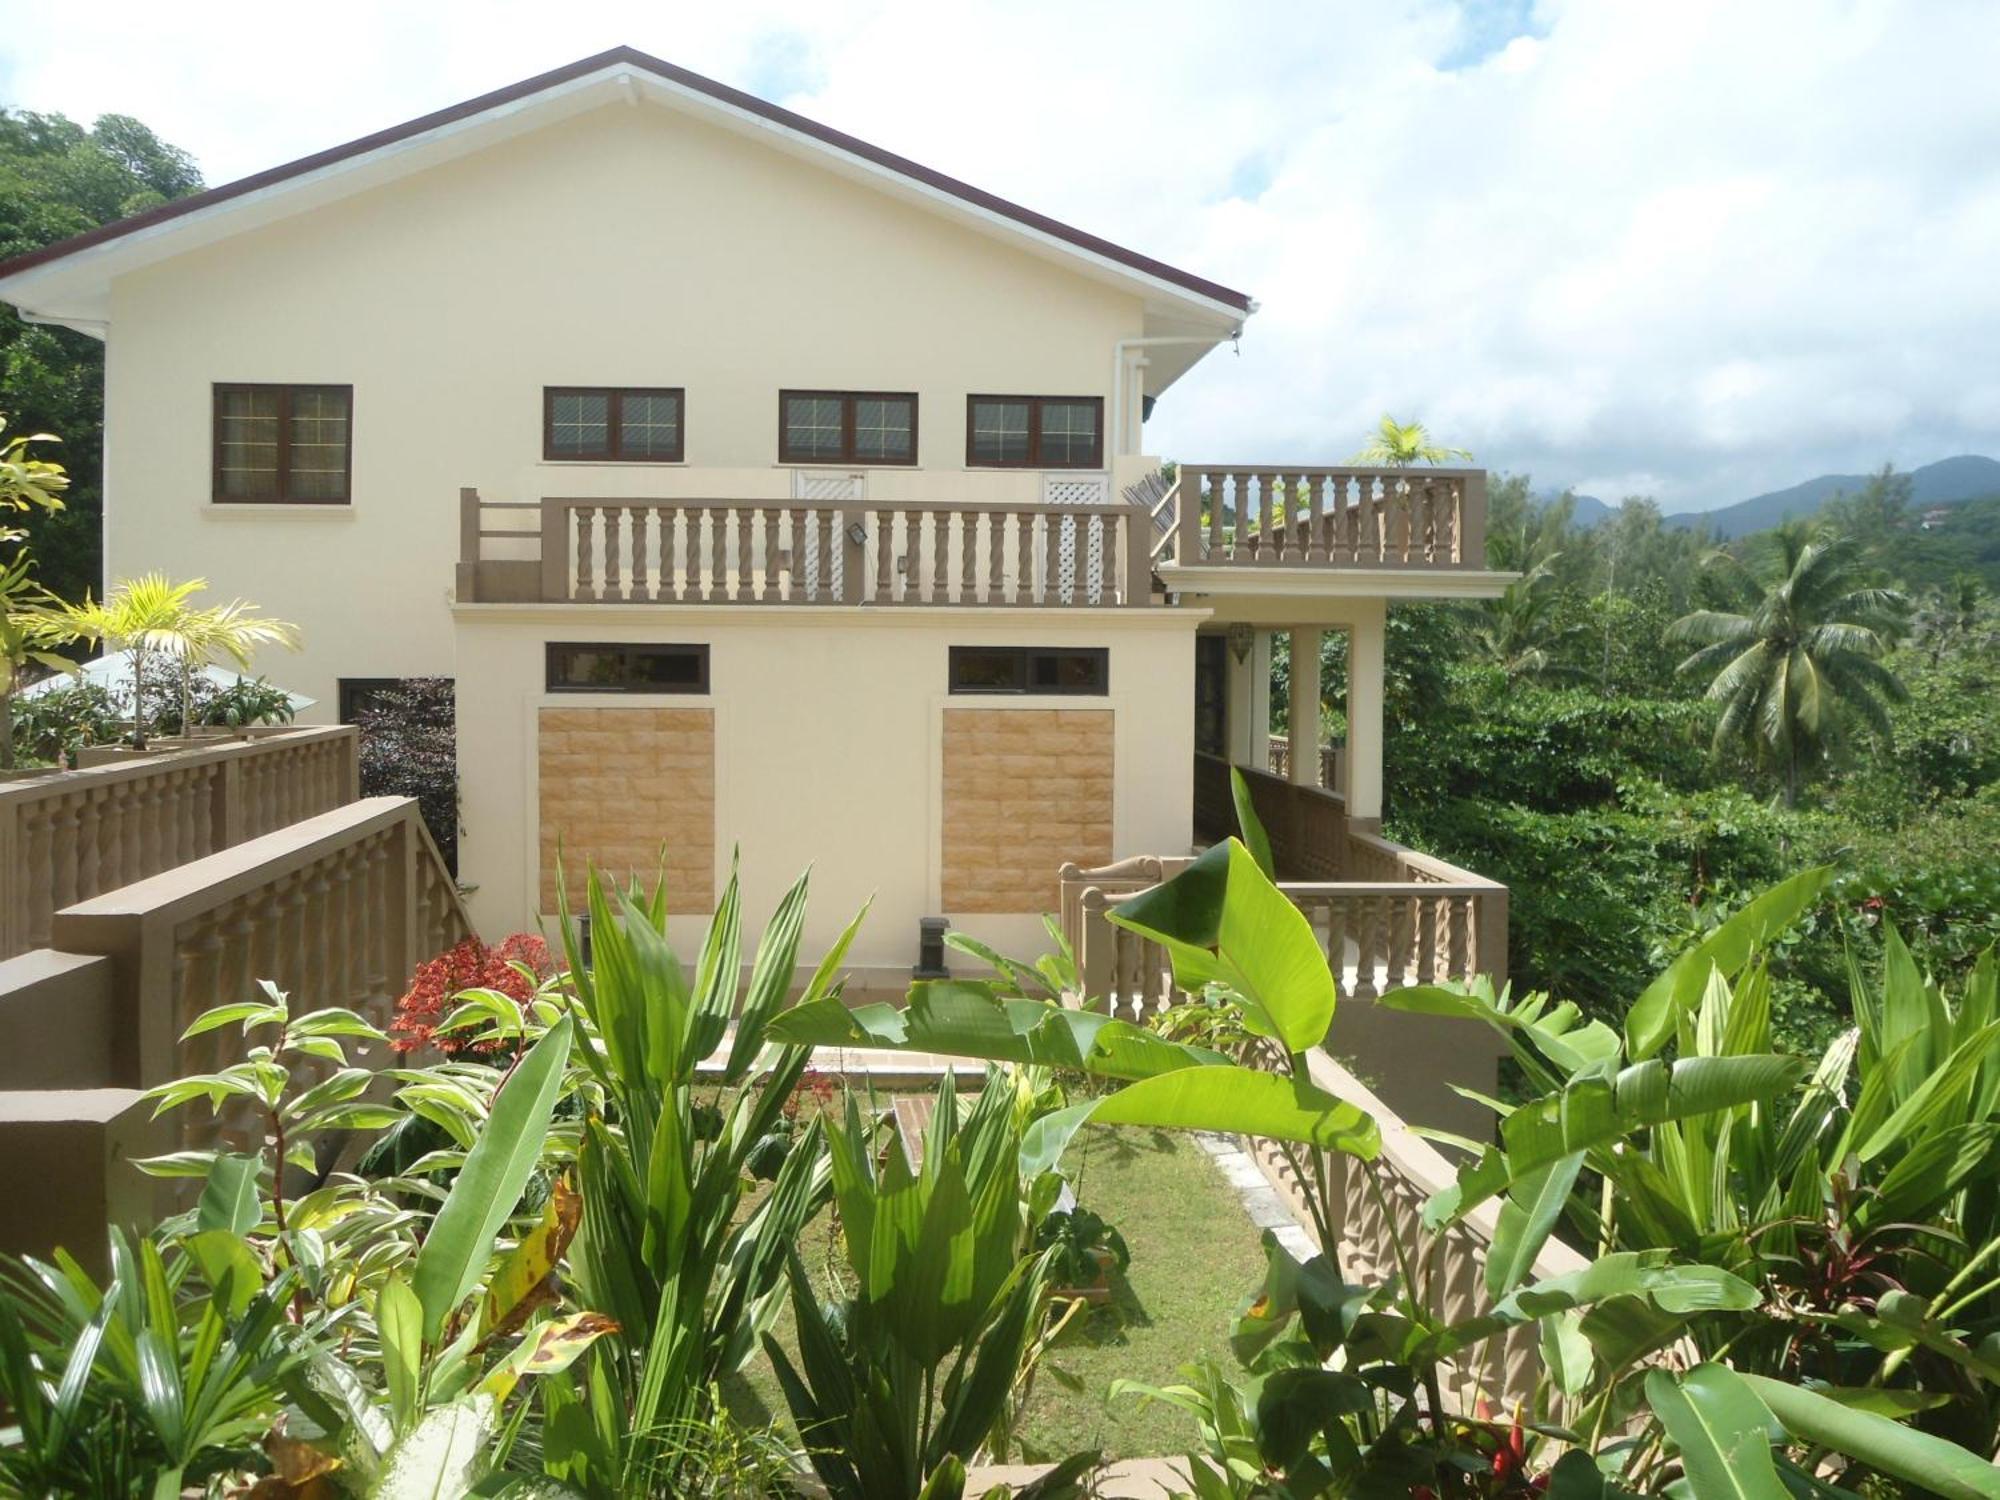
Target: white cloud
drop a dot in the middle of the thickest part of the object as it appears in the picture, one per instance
(1712, 246)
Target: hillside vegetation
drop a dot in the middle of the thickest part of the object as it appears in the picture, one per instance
(1550, 739)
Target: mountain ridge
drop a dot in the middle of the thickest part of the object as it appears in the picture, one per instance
(1947, 481)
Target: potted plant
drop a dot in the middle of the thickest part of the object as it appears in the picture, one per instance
(1085, 1253)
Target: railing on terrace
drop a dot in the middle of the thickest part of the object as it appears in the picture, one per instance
(1279, 760)
(68, 836)
(1385, 915)
(1377, 1213)
(1312, 516)
(1405, 922)
(803, 552)
(336, 909)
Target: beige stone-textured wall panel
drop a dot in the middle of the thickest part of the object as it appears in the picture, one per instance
(618, 785)
(1025, 791)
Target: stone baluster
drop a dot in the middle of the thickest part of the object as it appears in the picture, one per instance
(769, 528)
(586, 547)
(68, 820)
(996, 556)
(882, 586)
(968, 555)
(688, 529)
(1025, 525)
(943, 523)
(89, 840)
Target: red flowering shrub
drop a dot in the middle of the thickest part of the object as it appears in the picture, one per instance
(437, 984)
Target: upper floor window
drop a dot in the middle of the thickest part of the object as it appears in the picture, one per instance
(614, 424)
(847, 427)
(1034, 432)
(283, 444)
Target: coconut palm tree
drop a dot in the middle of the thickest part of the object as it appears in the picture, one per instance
(1519, 632)
(1403, 445)
(1804, 657)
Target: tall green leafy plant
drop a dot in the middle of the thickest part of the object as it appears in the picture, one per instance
(899, 1386)
(671, 1247)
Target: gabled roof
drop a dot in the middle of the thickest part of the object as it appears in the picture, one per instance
(69, 281)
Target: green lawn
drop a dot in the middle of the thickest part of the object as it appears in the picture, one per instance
(1194, 1258)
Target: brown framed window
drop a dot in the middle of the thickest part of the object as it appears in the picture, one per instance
(614, 424)
(610, 667)
(1034, 432)
(1080, 670)
(283, 444)
(847, 427)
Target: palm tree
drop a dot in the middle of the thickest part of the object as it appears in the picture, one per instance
(142, 617)
(1518, 633)
(1399, 445)
(1804, 658)
(151, 617)
(1949, 616)
(234, 630)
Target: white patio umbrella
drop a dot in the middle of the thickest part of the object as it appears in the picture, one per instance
(114, 674)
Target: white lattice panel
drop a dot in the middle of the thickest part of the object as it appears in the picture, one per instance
(1078, 489)
(815, 484)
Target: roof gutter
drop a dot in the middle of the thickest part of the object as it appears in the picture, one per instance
(1126, 440)
(97, 328)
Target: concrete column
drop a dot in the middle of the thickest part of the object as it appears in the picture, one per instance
(1364, 714)
(1304, 717)
(1250, 703)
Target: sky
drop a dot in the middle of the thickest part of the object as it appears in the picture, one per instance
(1691, 249)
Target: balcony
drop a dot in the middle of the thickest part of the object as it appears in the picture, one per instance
(1212, 529)
(805, 552)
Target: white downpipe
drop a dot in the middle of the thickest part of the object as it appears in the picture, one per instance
(1126, 440)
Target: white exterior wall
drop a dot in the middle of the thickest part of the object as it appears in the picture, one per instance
(631, 246)
(828, 728)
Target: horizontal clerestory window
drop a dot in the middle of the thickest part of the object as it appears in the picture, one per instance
(847, 427)
(1034, 432)
(283, 444)
(614, 424)
(1082, 670)
(616, 667)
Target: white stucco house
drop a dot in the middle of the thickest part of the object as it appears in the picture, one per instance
(758, 487)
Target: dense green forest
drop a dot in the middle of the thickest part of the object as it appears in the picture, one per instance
(58, 178)
(1552, 740)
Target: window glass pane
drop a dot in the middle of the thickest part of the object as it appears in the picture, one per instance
(649, 425)
(627, 668)
(1069, 434)
(318, 444)
(246, 432)
(579, 424)
(988, 669)
(884, 428)
(812, 427)
(1022, 669)
(999, 432)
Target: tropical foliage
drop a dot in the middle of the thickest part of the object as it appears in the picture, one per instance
(1781, 1278)
(1805, 659)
